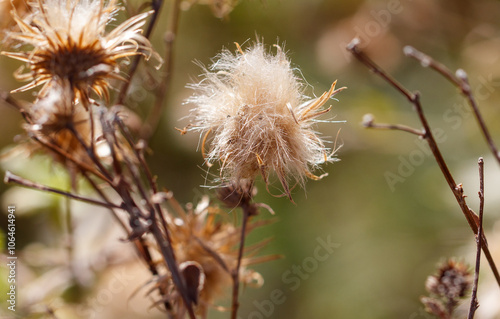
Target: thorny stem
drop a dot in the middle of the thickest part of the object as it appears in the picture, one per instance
(156, 5)
(170, 35)
(11, 178)
(414, 98)
(460, 80)
(479, 238)
(246, 207)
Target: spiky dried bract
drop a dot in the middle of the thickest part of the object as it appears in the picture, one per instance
(70, 42)
(6, 20)
(206, 245)
(253, 104)
(452, 282)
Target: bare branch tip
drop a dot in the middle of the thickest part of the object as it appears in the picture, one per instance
(461, 74)
(408, 50)
(8, 177)
(352, 46)
(368, 120)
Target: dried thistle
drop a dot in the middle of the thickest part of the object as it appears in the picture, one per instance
(452, 282)
(205, 246)
(253, 104)
(70, 42)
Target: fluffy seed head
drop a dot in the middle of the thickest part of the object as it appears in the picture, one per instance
(70, 42)
(253, 105)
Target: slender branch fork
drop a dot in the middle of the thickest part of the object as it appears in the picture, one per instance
(479, 238)
(156, 5)
(153, 118)
(414, 99)
(461, 81)
(169, 38)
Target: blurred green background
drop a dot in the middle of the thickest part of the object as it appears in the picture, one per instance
(389, 235)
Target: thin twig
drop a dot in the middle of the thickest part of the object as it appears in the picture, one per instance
(154, 115)
(236, 272)
(461, 81)
(156, 5)
(11, 178)
(104, 198)
(457, 190)
(369, 122)
(473, 302)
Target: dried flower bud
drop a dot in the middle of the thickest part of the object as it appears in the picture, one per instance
(452, 281)
(447, 287)
(253, 104)
(434, 306)
(234, 195)
(70, 42)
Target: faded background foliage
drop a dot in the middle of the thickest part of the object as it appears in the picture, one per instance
(385, 203)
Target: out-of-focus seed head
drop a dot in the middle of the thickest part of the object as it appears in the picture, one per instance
(451, 283)
(220, 8)
(69, 42)
(453, 280)
(252, 105)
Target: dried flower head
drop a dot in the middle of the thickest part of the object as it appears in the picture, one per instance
(205, 245)
(63, 128)
(56, 120)
(70, 42)
(447, 287)
(253, 104)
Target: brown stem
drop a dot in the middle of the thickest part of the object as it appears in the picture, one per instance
(155, 114)
(104, 198)
(460, 80)
(479, 238)
(168, 253)
(457, 190)
(162, 236)
(156, 5)
(246, 208)
(11, 178)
